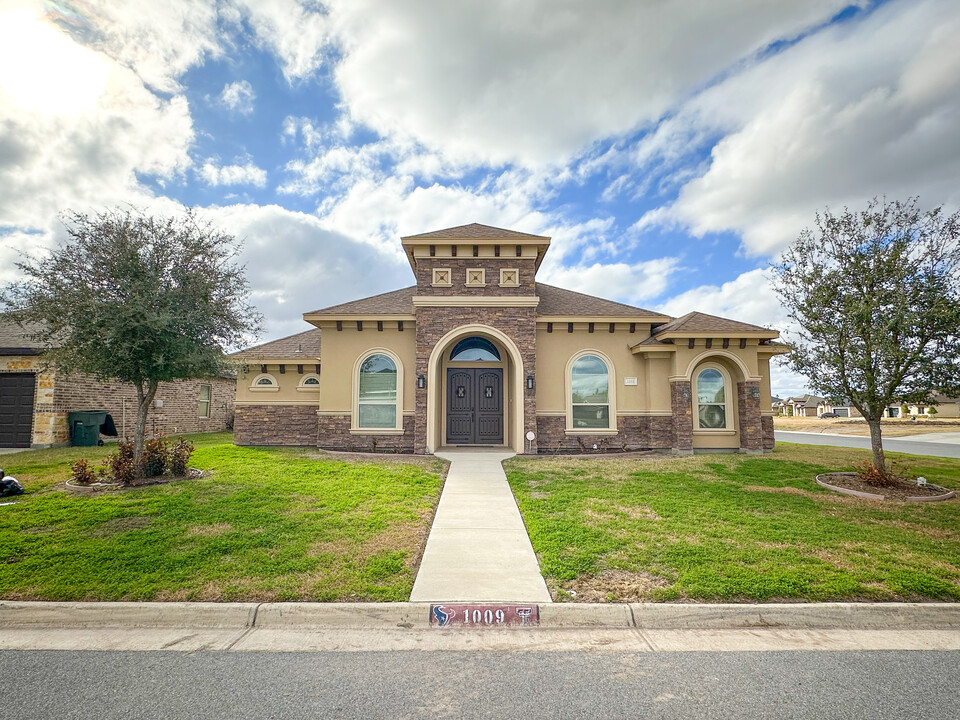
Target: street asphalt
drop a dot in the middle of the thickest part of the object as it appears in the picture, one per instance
(944, 445)
(529, 685)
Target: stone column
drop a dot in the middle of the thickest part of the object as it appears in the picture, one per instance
(681, 400)
(751, 429)
(766, 422)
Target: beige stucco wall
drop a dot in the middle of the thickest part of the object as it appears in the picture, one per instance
(555, 349)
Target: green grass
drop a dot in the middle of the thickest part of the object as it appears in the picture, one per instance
(734, 528)
(264, 524)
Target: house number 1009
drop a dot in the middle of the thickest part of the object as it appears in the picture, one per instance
(484, 617)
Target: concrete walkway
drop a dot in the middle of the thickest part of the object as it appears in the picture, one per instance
(478, 549)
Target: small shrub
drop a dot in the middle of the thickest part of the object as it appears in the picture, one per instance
(931, 410)
(83, 474)
(180, 453)
(156, 451)
(120, 465)
(871, 476)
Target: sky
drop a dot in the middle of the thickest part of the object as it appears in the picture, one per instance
(671, 149)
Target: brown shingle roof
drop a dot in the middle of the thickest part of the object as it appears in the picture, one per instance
(397, 302)
(698, 322)
(559, 302)
(305, 344)
(473, 231)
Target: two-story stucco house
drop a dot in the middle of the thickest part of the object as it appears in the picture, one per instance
(477, 352)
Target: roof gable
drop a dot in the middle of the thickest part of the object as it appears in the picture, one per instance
(698, 322)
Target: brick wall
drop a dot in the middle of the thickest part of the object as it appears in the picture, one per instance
(179, 414)
(333, 433)
(293, 425)
(681, 401)
(492, 266)
(751, 431)
(518, 323)
(653, 432)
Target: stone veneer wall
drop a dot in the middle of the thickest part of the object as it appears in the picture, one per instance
(275, 425)
(681, 401)
(333, 433)
(458, 267)
(48, 425)
(648, 432)
(766, 422)
(518, 323)
(751, 430)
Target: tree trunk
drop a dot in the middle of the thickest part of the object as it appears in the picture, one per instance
(876, 445)
(144, 398)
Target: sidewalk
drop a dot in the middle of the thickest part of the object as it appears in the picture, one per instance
(478, 549)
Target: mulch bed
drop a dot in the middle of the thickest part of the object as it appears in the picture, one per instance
(902, 491)
(143, 482)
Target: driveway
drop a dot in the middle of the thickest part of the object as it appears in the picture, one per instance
(933, 444)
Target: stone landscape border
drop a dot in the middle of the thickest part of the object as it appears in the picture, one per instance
(946, 495)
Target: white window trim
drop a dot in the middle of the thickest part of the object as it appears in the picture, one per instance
(504, 283)
(611, 428)
(209, 401)
(355, 394)
(302, 387)
(730, 427)
(437, 283)
(273, 387)
(483, 277)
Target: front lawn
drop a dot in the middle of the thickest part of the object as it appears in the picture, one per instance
(264, 524)
(734, 528)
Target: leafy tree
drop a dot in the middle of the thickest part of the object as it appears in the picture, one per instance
(876, 296)
(136, 298)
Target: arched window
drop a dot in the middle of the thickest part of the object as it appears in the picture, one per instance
(475, 349)
(711, 399)
(309, 383)
(377, 392)
(589, 393)
(265, 383)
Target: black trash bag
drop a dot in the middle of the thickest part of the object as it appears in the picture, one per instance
(10, 486)
(108, 428)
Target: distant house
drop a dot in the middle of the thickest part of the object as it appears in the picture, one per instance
(35, 400)
(805, 405)
(947, 407)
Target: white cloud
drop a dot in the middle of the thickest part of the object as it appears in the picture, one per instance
(246, 174)
(863, 109)
(238, 96)
(296, 32)
(295, 264)
(534, 83)
(630, 283)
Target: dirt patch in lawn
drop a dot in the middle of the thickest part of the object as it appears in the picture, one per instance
(124, 524)
(611, 586)
(787, 489)
(209, 530)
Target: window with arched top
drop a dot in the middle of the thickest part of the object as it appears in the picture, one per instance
(265, 382)
(590, 391)
(377, 393)
(475, 349)
(712, 397)
(309, 383)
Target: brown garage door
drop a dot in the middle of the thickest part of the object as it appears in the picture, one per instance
(16, 409)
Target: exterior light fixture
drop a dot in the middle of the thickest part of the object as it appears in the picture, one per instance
(421, 382)
(529, 382)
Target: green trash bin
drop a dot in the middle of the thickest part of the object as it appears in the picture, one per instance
(85, 427)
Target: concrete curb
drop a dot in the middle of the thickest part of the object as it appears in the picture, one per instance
(414, 616)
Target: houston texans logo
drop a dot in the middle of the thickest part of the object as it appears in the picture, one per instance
(443, 615)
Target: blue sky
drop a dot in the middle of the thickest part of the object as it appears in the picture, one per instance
(671, 149)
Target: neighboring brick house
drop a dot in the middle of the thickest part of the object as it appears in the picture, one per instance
(35, 400)
(479, 353)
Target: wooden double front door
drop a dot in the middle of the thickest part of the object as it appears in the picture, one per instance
(474, 406)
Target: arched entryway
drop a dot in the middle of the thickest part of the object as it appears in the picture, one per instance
(475, 390)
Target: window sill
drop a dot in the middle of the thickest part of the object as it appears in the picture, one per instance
(310, 389)
(375, 431)
(264, 388)
(718, 431)
(592, 431)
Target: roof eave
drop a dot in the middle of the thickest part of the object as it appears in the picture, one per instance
(314, 318)
(750, 335)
